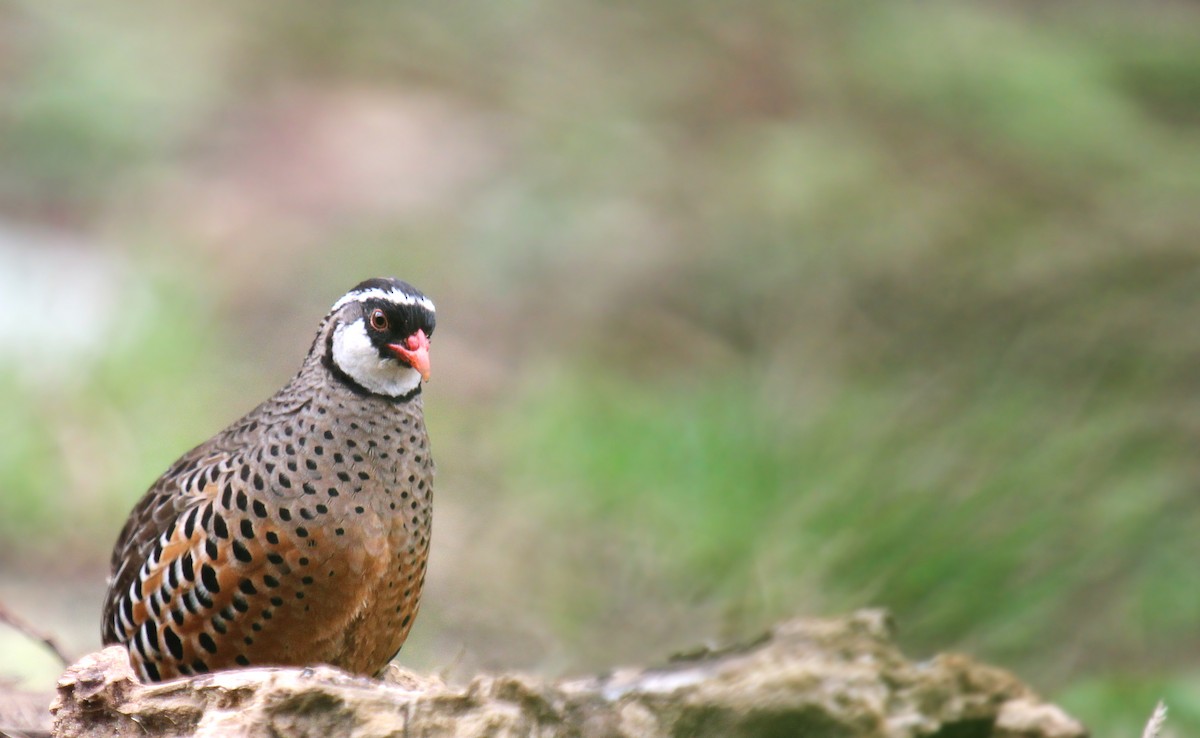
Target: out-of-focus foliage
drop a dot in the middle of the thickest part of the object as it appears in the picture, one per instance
(745, 310)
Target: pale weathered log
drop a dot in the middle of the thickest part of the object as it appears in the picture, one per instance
(841, 677)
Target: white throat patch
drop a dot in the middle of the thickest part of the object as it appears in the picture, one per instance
(355, 355)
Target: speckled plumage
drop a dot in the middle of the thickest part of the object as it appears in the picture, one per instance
(298, 535)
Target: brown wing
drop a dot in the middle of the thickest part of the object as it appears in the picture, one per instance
(204, 596)
(177, 566)
(157, 513)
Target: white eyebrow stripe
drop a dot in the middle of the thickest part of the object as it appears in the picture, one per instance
(401, 298)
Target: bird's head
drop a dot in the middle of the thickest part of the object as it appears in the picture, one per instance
(377, 338)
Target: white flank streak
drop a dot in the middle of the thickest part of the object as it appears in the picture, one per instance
(399, 298)
(354, 354)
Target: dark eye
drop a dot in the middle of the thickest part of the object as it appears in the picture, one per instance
(379, 320)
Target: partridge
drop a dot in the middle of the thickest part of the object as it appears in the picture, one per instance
(299, 534)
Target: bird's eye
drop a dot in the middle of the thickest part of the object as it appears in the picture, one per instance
(379, 320)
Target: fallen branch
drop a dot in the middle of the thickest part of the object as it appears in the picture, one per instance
(19, 624)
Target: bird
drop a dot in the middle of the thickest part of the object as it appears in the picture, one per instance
(298, 535)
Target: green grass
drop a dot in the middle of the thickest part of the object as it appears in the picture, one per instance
(1123, 703)
(995, 523)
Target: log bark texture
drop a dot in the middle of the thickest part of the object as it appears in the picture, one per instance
(822, 678)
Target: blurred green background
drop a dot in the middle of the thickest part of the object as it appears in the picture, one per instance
(745, 310)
